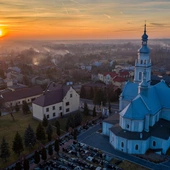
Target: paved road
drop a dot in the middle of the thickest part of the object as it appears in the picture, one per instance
(91, 138)
(114, 106)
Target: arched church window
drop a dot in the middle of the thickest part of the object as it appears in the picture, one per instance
(136, 147)
(154, 143)
(127, 126)
(122, 144)
(144, 61)
(141, 61)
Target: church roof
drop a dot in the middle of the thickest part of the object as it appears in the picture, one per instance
(130, 91)
(149, 101)
(132, 110)
(161, 130)
(114, 119)
(118, 131)
(163, 92)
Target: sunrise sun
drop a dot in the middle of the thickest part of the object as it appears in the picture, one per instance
(0, 33)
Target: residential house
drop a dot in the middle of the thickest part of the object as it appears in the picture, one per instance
(12, 98)
(39, 80)
(55, 102)
(118, 81)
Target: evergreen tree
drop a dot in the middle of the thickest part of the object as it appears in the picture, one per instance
(25, 107)
(4, 150)
(77, 119)
(50, 150)
(17, 107)
(18, 166)
(94, 111)
(56, 146)
(83, 92)
(29, 137)
(17, 146)
(99, 97)
(44, 154)
(45, 121)
(110, 111)
(36, 157)
(40, 132)
(70, 122)
(26, 164)
(86, 109)
(49, 131)
(57, 125)
(75, 134)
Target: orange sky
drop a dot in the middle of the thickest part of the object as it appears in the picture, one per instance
(84, 19)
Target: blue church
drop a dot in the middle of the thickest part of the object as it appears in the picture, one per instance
(144, 111)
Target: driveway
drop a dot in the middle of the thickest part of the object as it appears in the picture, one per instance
(92, 138)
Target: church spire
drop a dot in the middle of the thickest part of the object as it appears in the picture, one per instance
(143, 61)
(144, 36)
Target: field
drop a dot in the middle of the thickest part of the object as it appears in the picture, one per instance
(8, 129)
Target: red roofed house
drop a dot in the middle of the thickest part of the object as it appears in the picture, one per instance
(12, 98)
(55, 102)
(119, 81)
(124, 74)
(107, 77)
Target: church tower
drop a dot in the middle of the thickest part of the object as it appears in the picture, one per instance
(143, 63)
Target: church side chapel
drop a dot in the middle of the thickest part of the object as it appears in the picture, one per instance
(144, 111)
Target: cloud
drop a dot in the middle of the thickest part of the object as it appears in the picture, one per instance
(76, 2)
(108, 16)
(157, 24)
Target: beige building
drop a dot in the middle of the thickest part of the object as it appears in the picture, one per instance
(56, 101)
(11, 98)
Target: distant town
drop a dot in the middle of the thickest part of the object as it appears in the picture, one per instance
(73, 104)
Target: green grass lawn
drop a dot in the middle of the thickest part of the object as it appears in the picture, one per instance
(127, 165)
(8, 129)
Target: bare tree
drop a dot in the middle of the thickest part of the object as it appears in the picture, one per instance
(10, 110)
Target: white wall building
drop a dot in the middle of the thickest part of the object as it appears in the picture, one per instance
(12, 98)
(56, 102)
(144, 117)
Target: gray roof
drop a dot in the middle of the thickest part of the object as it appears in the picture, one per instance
(52, 97)
(22, 93)
(53, 86)
(161, 129)
(118, 131)
(114, 119)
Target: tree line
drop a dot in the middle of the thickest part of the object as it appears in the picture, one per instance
(43, 131)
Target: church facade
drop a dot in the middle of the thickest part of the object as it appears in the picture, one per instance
(144, 111)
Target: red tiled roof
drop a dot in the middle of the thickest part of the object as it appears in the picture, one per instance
(124, 73)
(21, 94)
(112, 74)
(119, 79)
